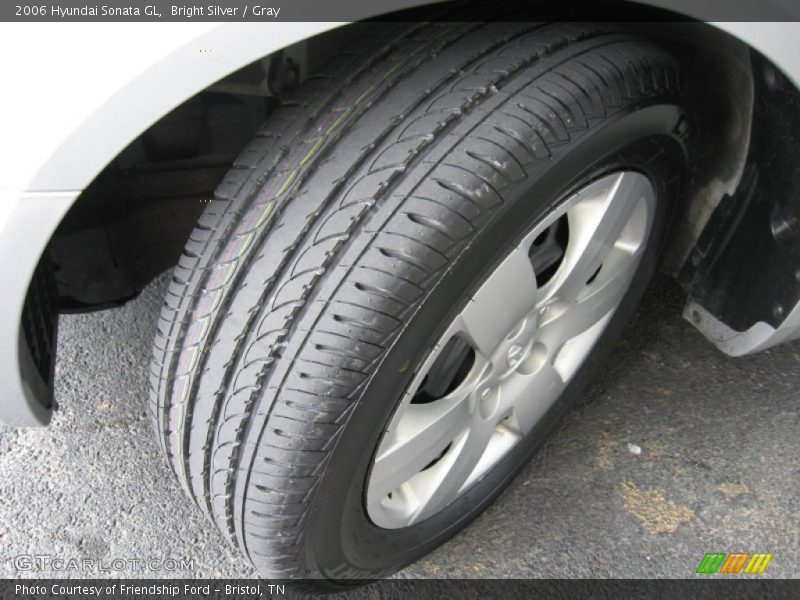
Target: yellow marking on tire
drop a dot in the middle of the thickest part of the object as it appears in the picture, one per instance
(193, 360)
(367, 92)
(204, 328)
(286, 182)
(318, 144)
(217, 298)
(229, 274)
(311, 152)
(247, 241)
(265, 214)
(337, 122)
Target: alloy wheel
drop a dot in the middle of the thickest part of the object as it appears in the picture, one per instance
(511, 350)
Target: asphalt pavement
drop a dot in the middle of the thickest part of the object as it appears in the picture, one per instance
(679, 452)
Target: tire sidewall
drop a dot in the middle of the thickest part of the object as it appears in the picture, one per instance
(344, 545)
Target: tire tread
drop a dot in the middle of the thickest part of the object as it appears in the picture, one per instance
(261, 353)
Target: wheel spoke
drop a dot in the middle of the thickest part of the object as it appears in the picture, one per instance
(419, 438)
(599, 299)
(595, 224)
(461, 462)
(503, 300)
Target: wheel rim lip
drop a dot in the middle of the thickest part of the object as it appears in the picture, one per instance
(499, 445)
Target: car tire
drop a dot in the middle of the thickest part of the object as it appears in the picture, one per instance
(364, 219)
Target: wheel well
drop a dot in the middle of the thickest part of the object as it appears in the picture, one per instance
(132, 221)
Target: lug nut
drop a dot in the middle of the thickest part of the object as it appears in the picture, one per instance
(514, 355)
